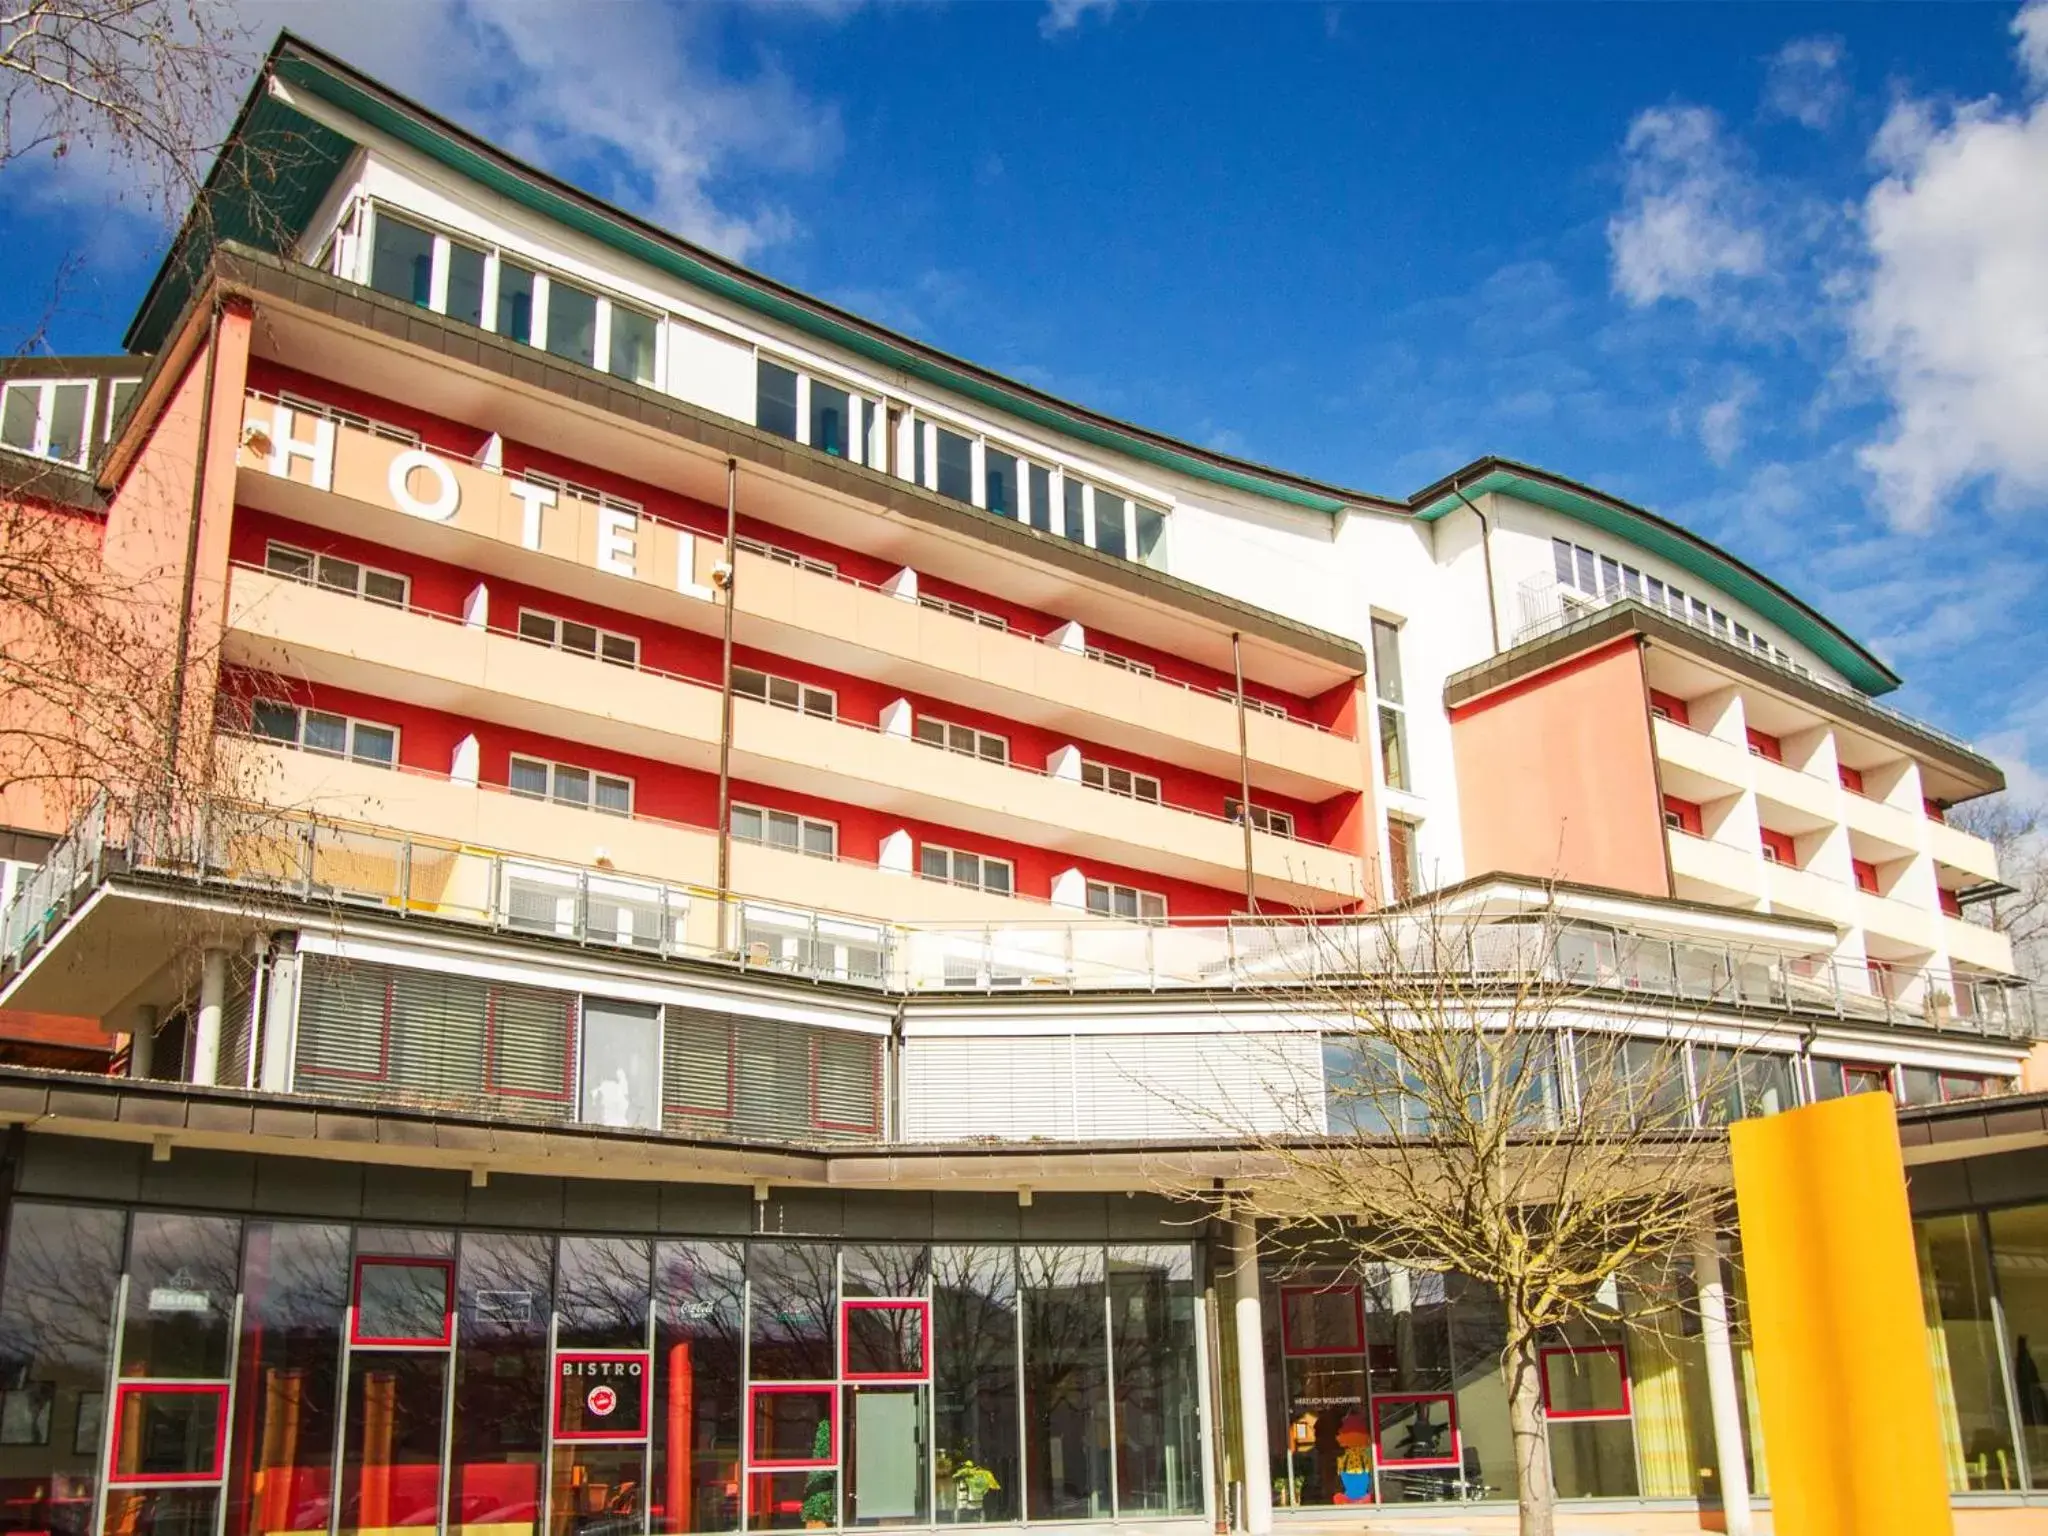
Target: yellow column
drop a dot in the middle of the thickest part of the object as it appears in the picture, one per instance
(1846, 1389)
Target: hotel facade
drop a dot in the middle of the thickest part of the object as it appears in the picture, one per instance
(755, 845)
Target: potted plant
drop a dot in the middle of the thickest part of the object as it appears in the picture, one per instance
(820, 1508)
(972, 1482)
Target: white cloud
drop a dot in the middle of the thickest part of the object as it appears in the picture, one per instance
(625, 100)
(1721, 425)
(1953, 319)
(1065, 15)
(1804, 82)
(1688, 216)
(2030, 26)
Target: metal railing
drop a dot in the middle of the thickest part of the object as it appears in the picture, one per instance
(357, 866)
(1549, 607)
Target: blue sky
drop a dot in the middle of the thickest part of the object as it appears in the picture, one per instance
(1777, 271)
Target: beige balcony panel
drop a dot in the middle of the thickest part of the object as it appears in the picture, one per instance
(1969, 944)
(1889, 824)
(650, 569)
(1707, 756)
(1791, 889)
(796, 880)
(1698, 862)
(1804, 792)
(1958, 849)
(1900, 922)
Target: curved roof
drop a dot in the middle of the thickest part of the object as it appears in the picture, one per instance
(248, 195)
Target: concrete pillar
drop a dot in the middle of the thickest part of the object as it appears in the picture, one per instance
(280, 1015)
(1251, 1380)
(213, 995)
(142, 1043)
(1723, 1392)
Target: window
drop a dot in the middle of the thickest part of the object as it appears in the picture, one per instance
(806, 409)
(1778, 847)
(330, 735)
(1404, 869)
(953, 458)
(631, 351)
(1839, 1079)
(1011, 485)
(516, 287)
(565, 784)
(337, 575)
(1120, 781)
(1668, 706)
(119, 393)
(1386, 673)
(1585, 1381)
(785, 829)
(964, 739)
(572, 323)
(775, 399)
(1764, 745)
(1866, 875)
(402, 260)
(48, 418)
(785, 693)
(465, 284)
(1107, 900)
(1851, 779)
(1279, 823)
(1683, 816)
(962, 611)
(978, 871)
(583, 639)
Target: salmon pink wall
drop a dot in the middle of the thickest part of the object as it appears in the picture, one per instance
(427, 740)
(1557, 777)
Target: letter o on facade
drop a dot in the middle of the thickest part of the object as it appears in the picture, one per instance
(448, 496)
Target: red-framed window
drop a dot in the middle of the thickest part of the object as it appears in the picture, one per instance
(1669, 706)
(1764, 745)
(1416, 1429)
(1950, 902)
(1852, 779)
(1884, 979)
(1866, 875)
(782, 1424)
(190, 1419)
(1585, 1381)
(1322, 1320)
(1684, 816)
(1933, 810)
(310, 1068)
(882, 1339)
(1847, 1077)
(402, 1301)
(1778, 846)
(601, 1394)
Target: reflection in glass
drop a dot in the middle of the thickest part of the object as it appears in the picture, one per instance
(698, 1321)
(2019, 1254)
(181, 1296)
(830, 425)
(956, 465)
(391, 1459)
(501, 1380)
(1962, 1338)
(401, 1301)
(775, 399)
(786, 1501)
(1152, 1344)
(974, 1383)
(794, 1298)
(402, 260)
(1593, 1459)
(632, 350)
(161, 1512)
(465, 284)
(1066, 1386)
(1478, 1334)
(572, 322)
(601, 1293)
(515, 301)
(597, 1490)
(294, 1300)
(1329, 1444)
(167, 1432)
(1109, 524)
(885, 1269)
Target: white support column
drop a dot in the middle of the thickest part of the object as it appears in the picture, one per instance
(280, 1022)
(213, 994)
(142, 1043)
(1251, 1380)
(1722, 1391)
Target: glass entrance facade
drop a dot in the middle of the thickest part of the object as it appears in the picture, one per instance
(187, 1375)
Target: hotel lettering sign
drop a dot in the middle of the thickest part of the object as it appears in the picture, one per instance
(455, 493)
(601, 1395)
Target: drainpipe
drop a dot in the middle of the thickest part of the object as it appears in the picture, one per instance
(191, 577)
(1244, 772)
(1486, 554)
(731, 570)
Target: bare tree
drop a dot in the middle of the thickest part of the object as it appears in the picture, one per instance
(2016, 831)
(1478, 1115)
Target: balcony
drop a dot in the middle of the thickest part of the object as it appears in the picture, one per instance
(1707, 870)
(278, 625)
(1715, 768)
(374, 488)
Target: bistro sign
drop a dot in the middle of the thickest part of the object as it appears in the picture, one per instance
(601, 1395)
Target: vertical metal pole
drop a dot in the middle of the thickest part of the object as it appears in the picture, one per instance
(1244, 771)
(1722, 1391)
(1251, 1375)
(732, 482)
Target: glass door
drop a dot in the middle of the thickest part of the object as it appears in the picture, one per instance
(401, 1329)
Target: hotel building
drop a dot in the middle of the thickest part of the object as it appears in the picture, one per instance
(752, 838)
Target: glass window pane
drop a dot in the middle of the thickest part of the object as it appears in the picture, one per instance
(580, 638)
(620, 650)
(1393, 749)
(615, 795)
(974, 1383)
(782, 829)
(748, 682)
(572, 322)
(935, 863)
(775, 399)
(402, 260)
(402, 1302)
(746, 823)
(1157, 1417)
(515, 301)
(326, 733)
(956, 465)
(821, 839)
(621, 1064)
(69, 405)
(1075, 524)
(1152, 536)
(999, 477)
(601, 1290)
(1386, 660)
(392, 1431)
(168, 1432)
(1955, 1287)
(572, 785)
(465, 284)
(273, 721)
(295, 1305)
(1109, 524)
(285, 561)
(632, 345)
(340, 575)
(528, 777)
(537, 627)
(830, 428)
(501, 1380)
(884, 1339)
(795, 1296)
(794, 1424)
(1039, 510)
(886, 1478)
(699, 1335)
(375, 744)
(181, 1291)
(995, 876)
(1594, 1459)
(1066, 1383)
(383, 587)
(18, 416)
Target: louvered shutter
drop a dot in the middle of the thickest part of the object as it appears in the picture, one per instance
(437, 1036)
(236, 1016)
(846, 1083)
(697, 1086)
(769, 1078)
(966, 1090)
(344, 1021)
(530, 1050)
